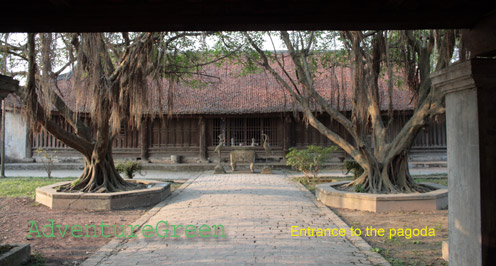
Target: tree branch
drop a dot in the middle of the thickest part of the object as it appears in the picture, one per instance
(338, 140)
(29, 95)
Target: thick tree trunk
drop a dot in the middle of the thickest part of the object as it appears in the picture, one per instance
(392, 176)
(100, 175)
(385, 163)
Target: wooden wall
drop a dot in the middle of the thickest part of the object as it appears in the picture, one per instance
(175, 132)
(181, 135)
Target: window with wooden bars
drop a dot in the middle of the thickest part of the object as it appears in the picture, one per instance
(269, 127)
(237, 131)
(219, 127)
(243, 130)
(253, 130)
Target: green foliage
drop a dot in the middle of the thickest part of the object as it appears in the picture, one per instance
(77, 181)
(376, 250)
(359, 189)
(129, 168)
(435, 178)
(309, 160)
(438, 226)
(36, 259)
(353, 166)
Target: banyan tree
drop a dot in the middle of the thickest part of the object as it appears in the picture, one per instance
(116, 79)
(371, 55)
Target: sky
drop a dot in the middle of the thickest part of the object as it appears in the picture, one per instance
(20, 39)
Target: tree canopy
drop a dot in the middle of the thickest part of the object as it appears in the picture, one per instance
(370, 55)
(112, 74)
(118, 76)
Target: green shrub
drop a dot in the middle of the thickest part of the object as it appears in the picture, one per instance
(353, 166)
(309, 160)
(129, 168)
(359, 188)
(48, 159)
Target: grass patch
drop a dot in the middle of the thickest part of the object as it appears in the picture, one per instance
(25, 186)
(438, 175)
(435, 180)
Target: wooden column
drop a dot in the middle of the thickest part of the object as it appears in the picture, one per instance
(144, 134)
(2, 146)
(287, 136)
(29, 142)
(203, 139)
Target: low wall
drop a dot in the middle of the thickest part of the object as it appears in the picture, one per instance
(49, 197)
(434, 200)
(18, 255)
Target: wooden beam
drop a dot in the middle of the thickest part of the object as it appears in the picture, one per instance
(288, 135)
(481, 40)
(125, 15)
(203, 139)
(483, 73)
(29, 142)
(144, 134)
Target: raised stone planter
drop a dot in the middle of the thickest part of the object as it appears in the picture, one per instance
(16, 256)
(434, 200)
(156, 192)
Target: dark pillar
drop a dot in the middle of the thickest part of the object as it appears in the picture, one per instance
(287, 136)
(2, 146)
(486, 99)
(144, 134)
(203, 139)
(29, 142)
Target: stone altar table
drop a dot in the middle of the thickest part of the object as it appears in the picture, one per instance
(242, 154)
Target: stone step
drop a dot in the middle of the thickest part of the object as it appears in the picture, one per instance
(196, 167)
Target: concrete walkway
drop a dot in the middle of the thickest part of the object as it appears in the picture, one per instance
(257, 212)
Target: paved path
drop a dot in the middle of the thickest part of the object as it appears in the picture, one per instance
(256, 211)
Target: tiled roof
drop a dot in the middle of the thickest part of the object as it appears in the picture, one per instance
(232, 92)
